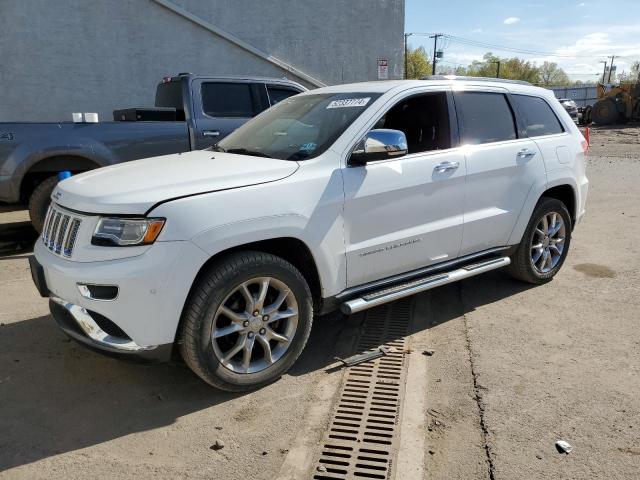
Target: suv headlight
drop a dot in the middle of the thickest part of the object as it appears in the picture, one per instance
(121, 232)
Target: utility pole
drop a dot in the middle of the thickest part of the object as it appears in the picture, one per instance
(497, 62)
(435, 48)
(406, 61)
(604, 70)
(611, 68)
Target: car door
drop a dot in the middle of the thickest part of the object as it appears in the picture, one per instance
(405, 213)
(544, 127)
(220, 107)
(502, 166)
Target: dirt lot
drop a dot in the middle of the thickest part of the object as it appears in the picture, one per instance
(514, 369)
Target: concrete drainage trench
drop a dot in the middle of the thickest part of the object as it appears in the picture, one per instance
(363, 435)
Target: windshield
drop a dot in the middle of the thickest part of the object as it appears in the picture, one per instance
(298, 128)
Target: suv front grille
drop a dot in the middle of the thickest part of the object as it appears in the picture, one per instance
(60, 231)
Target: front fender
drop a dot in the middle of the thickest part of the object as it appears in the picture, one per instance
(27, 155)
(224, 237)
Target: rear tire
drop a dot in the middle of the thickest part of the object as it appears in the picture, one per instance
(39, 202)
(545, 243)
(246, 321)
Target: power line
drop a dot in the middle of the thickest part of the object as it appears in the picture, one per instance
(523, 51)
(475, 43)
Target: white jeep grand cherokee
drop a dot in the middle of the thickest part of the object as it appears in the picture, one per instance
(342, 197)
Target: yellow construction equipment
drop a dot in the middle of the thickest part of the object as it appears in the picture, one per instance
(617, 104)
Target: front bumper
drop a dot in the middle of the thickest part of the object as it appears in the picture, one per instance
(153, 287)
(79, 324)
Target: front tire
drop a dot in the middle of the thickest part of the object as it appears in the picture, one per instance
(545, 243)
(246, 321)
(39, 202)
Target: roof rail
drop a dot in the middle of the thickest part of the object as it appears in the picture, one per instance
(478, 79)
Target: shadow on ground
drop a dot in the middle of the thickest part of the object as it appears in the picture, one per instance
(16, 238)
(57, 397)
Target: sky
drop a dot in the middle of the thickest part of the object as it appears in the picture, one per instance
(577, 35)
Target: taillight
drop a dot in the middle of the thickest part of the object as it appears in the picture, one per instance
(586, 141)
(585, 146)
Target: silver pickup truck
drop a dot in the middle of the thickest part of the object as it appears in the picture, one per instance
(191, 113)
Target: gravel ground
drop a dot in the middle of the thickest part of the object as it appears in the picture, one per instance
(615, 142)
(555, 362)
(515, 368)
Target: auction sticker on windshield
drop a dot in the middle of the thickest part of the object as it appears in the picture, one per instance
(349, 102)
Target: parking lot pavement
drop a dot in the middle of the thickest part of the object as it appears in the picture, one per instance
(66, 412)
(514, 368)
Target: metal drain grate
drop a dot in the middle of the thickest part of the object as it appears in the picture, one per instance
(363, 433)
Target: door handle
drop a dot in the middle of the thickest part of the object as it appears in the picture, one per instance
(446, 166)
(211, 133)
(526, 153)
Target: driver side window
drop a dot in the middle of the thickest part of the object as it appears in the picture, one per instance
(424, 119)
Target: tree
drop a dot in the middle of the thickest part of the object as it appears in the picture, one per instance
(551, 74)
(547, 74)
(518, 69)
(418, 64)
(488, 67)
(511, 68)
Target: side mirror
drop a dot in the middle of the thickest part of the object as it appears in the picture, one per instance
(379, 144)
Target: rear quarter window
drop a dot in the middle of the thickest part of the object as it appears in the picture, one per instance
(484, 118)
(227, 100)
(539, 118)
(169, 94)
(277, 94)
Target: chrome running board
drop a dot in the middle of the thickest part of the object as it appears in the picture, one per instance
(395, 292)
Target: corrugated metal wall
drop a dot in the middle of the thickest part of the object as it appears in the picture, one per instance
(583, 96)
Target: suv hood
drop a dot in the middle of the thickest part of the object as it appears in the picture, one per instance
(134, 187)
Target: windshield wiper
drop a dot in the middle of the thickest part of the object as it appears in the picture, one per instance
(246, 151)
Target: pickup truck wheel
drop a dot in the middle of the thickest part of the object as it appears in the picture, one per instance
(545, 243)
(39, 202)
(246, 321)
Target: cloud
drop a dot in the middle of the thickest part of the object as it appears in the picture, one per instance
(511, 20)
(582, 4)
(584, 54)
(476, 30)
(463, 58)
(577, 51)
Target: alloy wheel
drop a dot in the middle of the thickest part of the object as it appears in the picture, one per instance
(548, 242)
(255, 325)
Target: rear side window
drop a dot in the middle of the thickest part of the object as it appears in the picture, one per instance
(277, 94)
(484, 117)
(169, 94)
(539, 118)
(227, 100)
